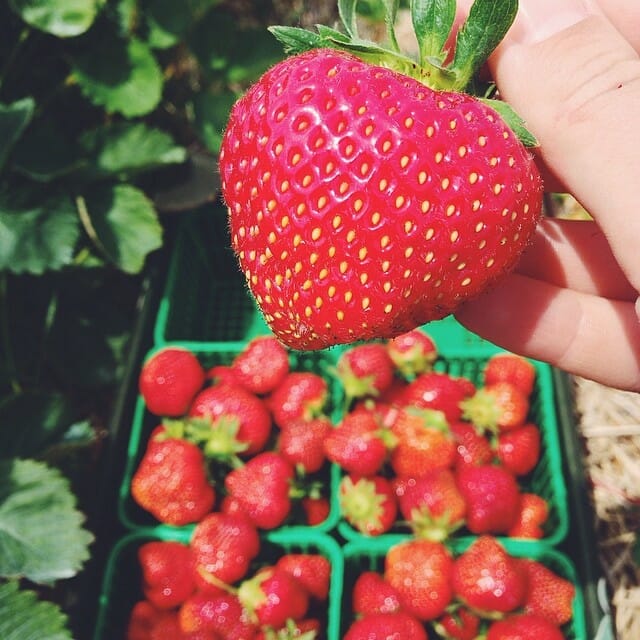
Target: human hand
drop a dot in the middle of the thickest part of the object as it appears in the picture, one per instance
(571, 69)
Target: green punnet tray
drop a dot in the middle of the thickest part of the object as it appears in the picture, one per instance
(547, 479)
(133, 517)
(368, 555)
(122, 577)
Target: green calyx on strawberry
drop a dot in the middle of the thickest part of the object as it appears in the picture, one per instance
(367, 194)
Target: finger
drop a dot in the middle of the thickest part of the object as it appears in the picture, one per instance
(576, 82)
(625, 16)
(579, 333)
(574, 254)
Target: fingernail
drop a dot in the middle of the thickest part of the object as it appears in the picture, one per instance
(540, 19)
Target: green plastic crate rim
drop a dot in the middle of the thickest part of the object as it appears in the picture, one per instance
(206, 301)
(121, 581)
(547, 479)
(134, 517)
(364, 555)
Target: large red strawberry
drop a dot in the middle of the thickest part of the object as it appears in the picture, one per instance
(386, 626)
(420, 571)
(262, 488)
(492, 495)
(262, 365)
(167, 578)
(365, 370)
(171, 482)
(223, 546)
(363, 202)
(226, 404)
(169, 380)
(487, 579)
(302, 395)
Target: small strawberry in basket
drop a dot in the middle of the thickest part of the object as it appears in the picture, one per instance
(519, 449)
(221, 615)
(368, 503)
(302, 443)
(533, 513)
(302, 395)
(262, 365)
(171, 481)
(487, 579)
(412, 353)
(524, 626)
(373, 594)
(262, 489)
(459, 624)
(382, 626)
(365, 370)
(169, 380)
(497, 408)
(512, 368)
(311, 570)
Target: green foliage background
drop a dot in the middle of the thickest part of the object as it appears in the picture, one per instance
(103, 103)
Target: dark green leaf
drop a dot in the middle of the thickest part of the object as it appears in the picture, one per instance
(41, 533)
(32, 421)
(24, 617)
(211, 111)
(390, 17)
(38, 231)
(348, 15)
(432, 23)
(167, 21)
(295, 40)
(62, 18)
(121, 76)
(14, 118)
(127, 148)
(513, 120)
(45, 154)
(122, 223)
(483, 30)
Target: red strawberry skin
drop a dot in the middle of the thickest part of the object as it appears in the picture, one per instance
(169, 380)
(235, 402)
(261, 365)
(363, 204)
(373, 594)
(302, 443)
(385, 626)
(524, 626)
(171, 482)
(302, 395)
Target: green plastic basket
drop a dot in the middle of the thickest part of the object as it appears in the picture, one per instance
(121, 586)
(133, 517)
(547, 479)
(368, 555)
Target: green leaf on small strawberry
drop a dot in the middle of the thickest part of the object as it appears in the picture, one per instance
(296, 40)
(432, 23)
(515, 122)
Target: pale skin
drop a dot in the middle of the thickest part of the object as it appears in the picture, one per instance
(571, 69)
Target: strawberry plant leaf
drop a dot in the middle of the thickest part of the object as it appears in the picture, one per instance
(120, 75)
(14, 118)
(127, 148)
(45, 153)
(41, 533)
(347, 9)
(24, 617)
(39, 231)
(432, 24)
(296, 40)
(390, 16)
(62, 18)
(485, 27)
(122, 223)
(515, 122)
(43, 417)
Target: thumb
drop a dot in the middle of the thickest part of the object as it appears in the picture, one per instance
(575, 80)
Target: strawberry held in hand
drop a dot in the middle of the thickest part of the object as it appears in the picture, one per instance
(368, 195)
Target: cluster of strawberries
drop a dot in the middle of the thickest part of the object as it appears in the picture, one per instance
(243, 437)
(211, 589)
(482, 592)
(433, 452)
